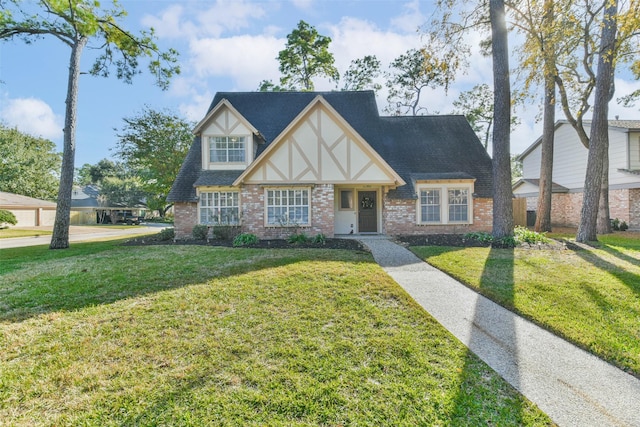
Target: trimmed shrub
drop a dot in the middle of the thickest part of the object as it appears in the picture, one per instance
(480, 236)
(167, 234)
(624, 226)
(226, 232)
(245, 239)
(296, 238)
(524, 235)
(7, 217)
(200, 232)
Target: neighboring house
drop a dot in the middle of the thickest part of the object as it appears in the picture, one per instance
(569, 169)
(28, 211)
(327, 162)
(88, 207)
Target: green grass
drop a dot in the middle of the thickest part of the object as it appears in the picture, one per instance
(589, 296)
(17, 232)
(108, 335)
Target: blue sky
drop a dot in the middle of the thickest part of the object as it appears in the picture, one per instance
(224, 45)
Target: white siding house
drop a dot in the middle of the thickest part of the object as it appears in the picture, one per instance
(569, 169)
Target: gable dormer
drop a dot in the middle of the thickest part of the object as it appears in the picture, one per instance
(229, 141)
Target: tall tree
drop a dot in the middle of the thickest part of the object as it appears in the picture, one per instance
(305, 56)
(599, 133)
(95, 174)
(362, 73)
(502, 194)
(477, 106)
(28, 165)
(154, 143)
(76, 23)
(410, 74)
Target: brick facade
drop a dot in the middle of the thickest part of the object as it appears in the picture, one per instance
(399, 218)
(253, 206)
(624, 204)
(186, 217)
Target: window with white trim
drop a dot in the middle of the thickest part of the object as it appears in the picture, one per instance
(288, 206)
(430, 205)
(219, 207)
(458, 205)
(227, 149)
(445, 204)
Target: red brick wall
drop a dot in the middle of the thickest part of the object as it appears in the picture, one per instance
(566, 207)
(253, 210)
(186, 217)
(634, 209)
(400, 219)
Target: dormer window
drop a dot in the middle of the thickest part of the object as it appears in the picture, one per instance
(227, 149)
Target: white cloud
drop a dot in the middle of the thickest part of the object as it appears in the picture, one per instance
(411, 18)
(32, 116)
(304, 5)
(221, 17)
(246, 60)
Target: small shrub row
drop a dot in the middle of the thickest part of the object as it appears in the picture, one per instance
(300, 238)
(245, 239)
(520, 235)
(618, 225)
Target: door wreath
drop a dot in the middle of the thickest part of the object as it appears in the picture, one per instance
(367, 203)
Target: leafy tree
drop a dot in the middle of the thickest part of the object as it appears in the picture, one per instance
(125, 191)
(410, 74)
(95, 174)
(361, 74)
(305, 56)
(502, 194)
(28, 166)
(154, 144)
(269, 86)
(77, 23)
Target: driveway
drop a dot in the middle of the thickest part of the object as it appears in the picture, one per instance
(81, 233)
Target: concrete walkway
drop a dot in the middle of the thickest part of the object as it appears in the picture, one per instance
(572, 386)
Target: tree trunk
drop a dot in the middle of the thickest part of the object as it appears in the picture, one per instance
(543, 216)
(603, 225)
(60, 237)
(599, 138)
(502, 194)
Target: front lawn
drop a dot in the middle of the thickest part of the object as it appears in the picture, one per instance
(107, 335)
(590, 296)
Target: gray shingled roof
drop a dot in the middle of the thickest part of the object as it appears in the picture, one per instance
(436, 145)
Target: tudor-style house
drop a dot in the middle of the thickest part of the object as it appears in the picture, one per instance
(569, 169)
(328, 163)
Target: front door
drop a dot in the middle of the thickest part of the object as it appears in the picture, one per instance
(367, 212)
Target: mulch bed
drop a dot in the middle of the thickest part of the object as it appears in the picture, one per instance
(348, 244)
(456, 240)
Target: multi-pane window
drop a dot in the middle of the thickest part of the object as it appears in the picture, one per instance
(219, 207)
(444, 205)
(288, 207)
(458, 205)
(430, 205)
(227, 149)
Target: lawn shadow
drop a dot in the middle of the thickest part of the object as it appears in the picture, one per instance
(103, 273)
(630, 279)
(492, 336)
